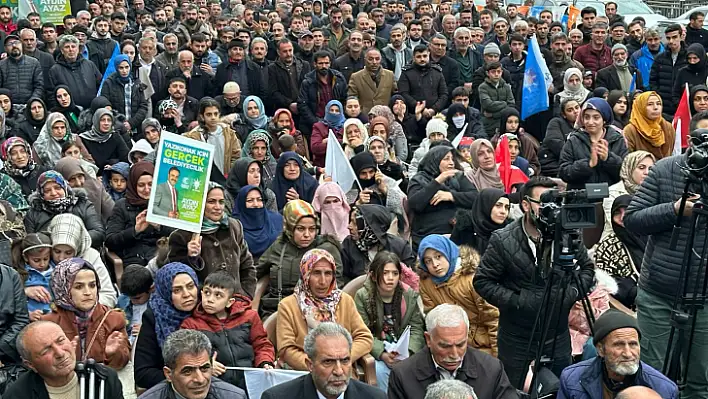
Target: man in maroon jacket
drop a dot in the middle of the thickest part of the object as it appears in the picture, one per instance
(596, 54)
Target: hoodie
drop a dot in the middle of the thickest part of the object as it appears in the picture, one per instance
(141, 145)
(693, 74)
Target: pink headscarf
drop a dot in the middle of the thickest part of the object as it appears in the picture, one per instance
(334, 217)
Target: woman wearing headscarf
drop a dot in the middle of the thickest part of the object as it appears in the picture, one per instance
(120, 86)
(413, 126)
(377, 188)
(368, 227)
(101, 330)
(694, 72)
(12, 113)
(594, 152)
(71, 240)
(128, 233)
(556, 134)
(261, 227)
(54, 135)
(247, 171)
(396, 134)
(458, 121)
(354, 137)
(257, 146)
(317, 299)
(54, 197)
(35, 115)
(175, 296)
(698, 98)
(510, 122)
(291, 181)
(221, 245)
(474, 227)
(436, 192)
(386, 160)
(18, 163)
(80, 181)
(572, 88)
(647, 129)
(65, 106)
(254, 117)
(283, 123)
(447, 274)
(11, 192)
(635, 168)
(331, 204)
(281, 262)
(600, 92)
(620, 253)
(86, 119)
(380, 127)
(485, 172)
(619, 101)
(105, 147)
(333, 121)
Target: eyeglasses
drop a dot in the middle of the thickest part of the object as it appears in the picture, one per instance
(533, 200)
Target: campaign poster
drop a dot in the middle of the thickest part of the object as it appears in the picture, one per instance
(179, 185)
(49, 10)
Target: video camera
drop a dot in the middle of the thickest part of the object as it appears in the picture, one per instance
(697, 155)
(571, 208)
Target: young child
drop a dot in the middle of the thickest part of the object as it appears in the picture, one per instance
(136, 285)
(71, 149)
(30, 257)
(516, 159)
(494, 95)
(465, 153)
(115, 180)
(288, 143)
(234, 329)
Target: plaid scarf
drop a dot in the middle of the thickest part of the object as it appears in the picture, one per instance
(315, 309)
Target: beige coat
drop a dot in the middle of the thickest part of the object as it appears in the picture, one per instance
(232, 145)
(363, 86)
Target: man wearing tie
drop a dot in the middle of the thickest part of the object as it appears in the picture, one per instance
(166, 197)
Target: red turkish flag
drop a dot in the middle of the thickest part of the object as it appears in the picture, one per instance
(682, 121)
(509, 173)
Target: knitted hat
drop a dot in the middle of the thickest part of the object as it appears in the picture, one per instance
(613, 320)
(500, 19)
(79, 28)
(492, 48)
(435, 125)
(236, 43)
(601, 106)
(619, 46)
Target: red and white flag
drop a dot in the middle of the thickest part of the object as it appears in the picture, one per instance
(681, 123)
(509, 173)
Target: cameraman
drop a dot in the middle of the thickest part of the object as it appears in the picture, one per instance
(510, 279)
(653, 212)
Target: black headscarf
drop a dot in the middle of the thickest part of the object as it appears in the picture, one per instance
(305, 185)
(505, 114)
(700, 52)
(38, 123)
(600, 92)
(361, 161)
(429, 168)
(695, 89)
(482, 221)
(615, 95)
(634, 242)
(452, 130)
(238, 176)
(71, 112)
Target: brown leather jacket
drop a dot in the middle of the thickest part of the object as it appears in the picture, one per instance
(114, 322)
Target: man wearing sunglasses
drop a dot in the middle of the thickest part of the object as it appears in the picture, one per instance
(511, 278)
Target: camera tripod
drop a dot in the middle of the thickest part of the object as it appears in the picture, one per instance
(556, 262)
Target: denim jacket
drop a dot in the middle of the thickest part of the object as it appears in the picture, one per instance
(38, 279)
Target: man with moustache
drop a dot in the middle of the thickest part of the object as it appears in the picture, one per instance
(561, 61)
(353, 60)
(190, 25)
(396, 55)
(374, 85)
(20, 73)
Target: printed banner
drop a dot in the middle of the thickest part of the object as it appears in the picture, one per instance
(50, 10)
(179, 185)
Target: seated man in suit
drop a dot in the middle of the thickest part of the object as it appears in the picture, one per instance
(167, 197)
(328, 347)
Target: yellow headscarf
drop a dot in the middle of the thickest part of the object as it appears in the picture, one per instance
(647, 128)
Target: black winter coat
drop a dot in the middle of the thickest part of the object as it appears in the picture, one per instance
(13, 314)
(121, 237)
(30, 385)
(281, 93)
(550, 152)
(109, 152)
(662, 77)
(37, 219)
(224, 75)
(451, 72)
(347, 65)
(114, 90)
(651, 213)
(608, 78)
(691, 74)
(29, 182)
(23, 77)
(516, 76)
(575, 160)
(699, 36)
(423, 84)
(46, 61)
(199, 85)
(310, 92)
(82, 77)
(148, 361)
(508, 278)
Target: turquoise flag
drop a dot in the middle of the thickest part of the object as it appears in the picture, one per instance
(109, 68)
(537, 80)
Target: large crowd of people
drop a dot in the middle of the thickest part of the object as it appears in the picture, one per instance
(433, 244)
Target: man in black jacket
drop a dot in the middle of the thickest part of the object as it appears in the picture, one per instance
(438, 56)
(240, 70)
(199, 83)
(353, 60)
(652, 213)
(423, 81)
(285, 77)
(319, 87)
(328, 347)
(51, 358)
(29, 48)
(694, 30)
(19, 73)
(81, 75)
(619, 75)
(665, 68)
(511, 278)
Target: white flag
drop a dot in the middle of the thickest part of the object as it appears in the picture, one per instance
(259, 380)
(337, 165)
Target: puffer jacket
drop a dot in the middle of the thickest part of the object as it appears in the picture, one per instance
(410, 312)
(651, 213)
(132, 247)
(13, 313)
(643, 59)
(37, 218)
(592, 59)
(239, 340)
(493, 99)
(354, 262)
(458, 290)
(691, 74)
(23, 77)
(507, 277)
(309, 95)
(516, 74)
(552, 146)
(423, 84)
(662, 77)
(82, 77)
(575, 160)
(114, 91)
(283, 259)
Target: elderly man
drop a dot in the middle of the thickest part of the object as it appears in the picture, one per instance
(447, 357)
(328, 347)
(450, 389)
(169, 57)
(617, 365)
(230, 101)
(199, 83)
(51, 358)
(79, 74)
(188, 370)
(373, 85)
(638, 393)
(285, 76)
(21, 74)
(620, 75)
(29, 48)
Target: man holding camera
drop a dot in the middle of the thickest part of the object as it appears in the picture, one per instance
(511, 278)
(653, 212)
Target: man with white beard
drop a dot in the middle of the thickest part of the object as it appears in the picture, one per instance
(617, 365)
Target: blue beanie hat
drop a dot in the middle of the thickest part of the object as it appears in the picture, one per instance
(602, 106)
